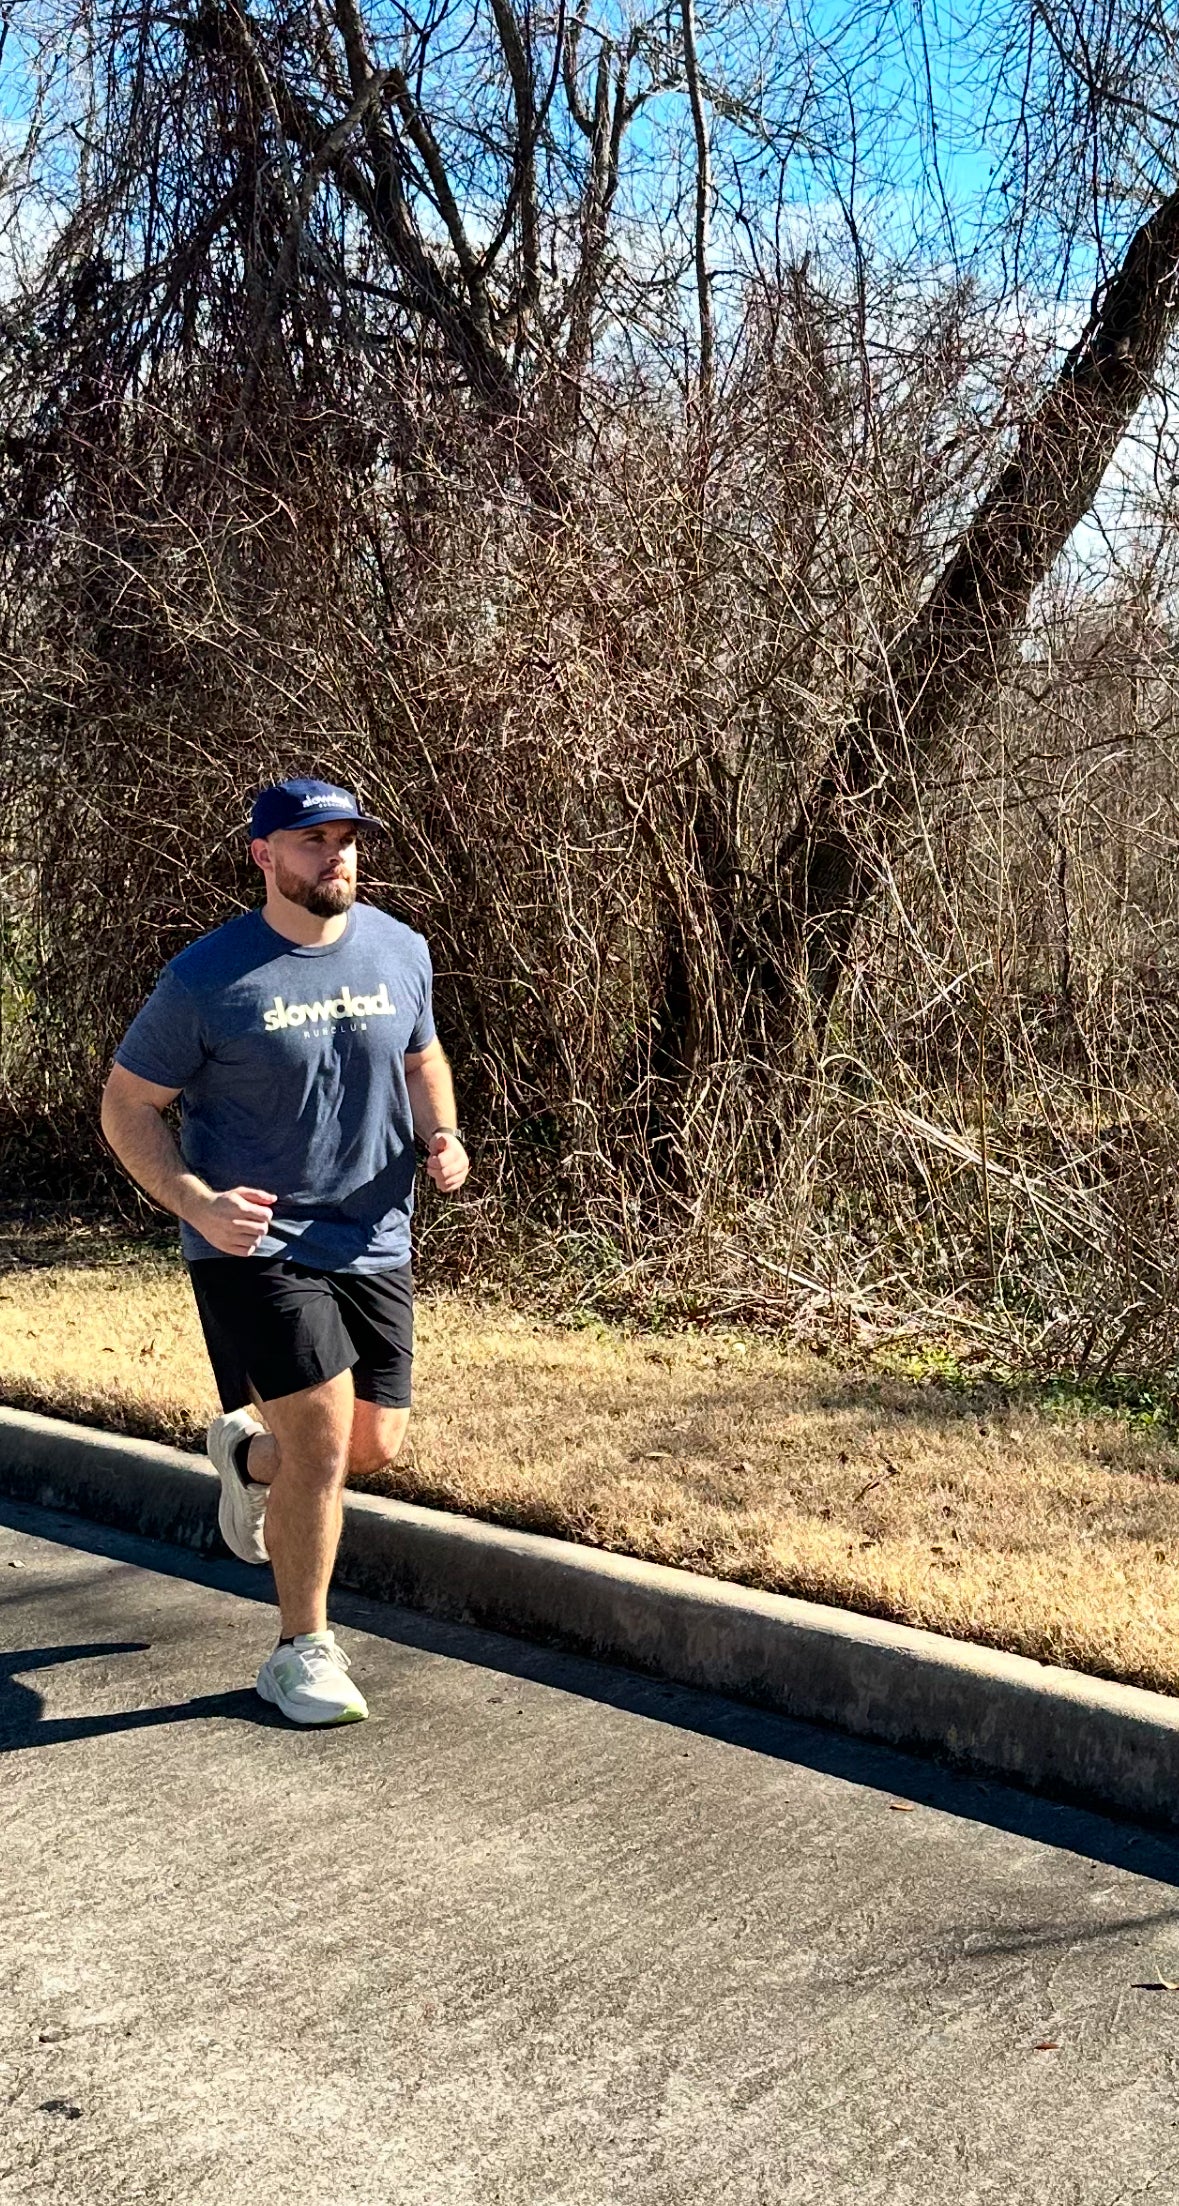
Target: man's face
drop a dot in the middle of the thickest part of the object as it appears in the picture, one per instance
(313, 866)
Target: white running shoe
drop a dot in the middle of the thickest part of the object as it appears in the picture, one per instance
(242, 1507)
(309, 1681)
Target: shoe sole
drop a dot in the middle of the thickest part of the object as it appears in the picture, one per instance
(232, 1527)
(269, 1692)
(227, 1526)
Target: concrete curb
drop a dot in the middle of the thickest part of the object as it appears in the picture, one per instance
(1111, 1746)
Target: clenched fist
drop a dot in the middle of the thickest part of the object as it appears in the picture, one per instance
(236, 1221)
(447, 1162)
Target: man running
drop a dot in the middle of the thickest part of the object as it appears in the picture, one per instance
(300, 1039)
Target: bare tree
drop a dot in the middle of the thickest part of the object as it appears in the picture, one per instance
(469, 402)
(872, 782)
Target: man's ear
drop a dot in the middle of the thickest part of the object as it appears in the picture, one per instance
(260, 853)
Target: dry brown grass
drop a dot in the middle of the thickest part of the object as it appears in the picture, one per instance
(1056, 1536)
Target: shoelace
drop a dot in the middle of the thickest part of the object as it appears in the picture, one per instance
(334, 1656)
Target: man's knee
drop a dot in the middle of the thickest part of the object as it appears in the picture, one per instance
(312, 1431)
(377, 1436)
(314, 1463)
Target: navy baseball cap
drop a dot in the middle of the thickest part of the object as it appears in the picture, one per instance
(304, 804)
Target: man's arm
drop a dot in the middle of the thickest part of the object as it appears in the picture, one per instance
(233, 1222)
(431, 1099)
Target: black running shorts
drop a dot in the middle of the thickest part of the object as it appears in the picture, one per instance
(274, 1327)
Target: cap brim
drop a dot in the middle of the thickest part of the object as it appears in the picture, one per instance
(337, 819)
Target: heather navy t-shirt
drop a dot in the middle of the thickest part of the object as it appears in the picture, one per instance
(291, 1063)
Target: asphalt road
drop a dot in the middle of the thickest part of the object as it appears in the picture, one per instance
(539, 1934)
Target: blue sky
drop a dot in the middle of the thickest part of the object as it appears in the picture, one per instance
(919, 76)
(923, 170)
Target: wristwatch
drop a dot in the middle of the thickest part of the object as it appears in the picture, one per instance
(448, 1130)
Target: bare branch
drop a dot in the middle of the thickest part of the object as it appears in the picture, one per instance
(703, 203)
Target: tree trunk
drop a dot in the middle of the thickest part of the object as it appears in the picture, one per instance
(870, 785)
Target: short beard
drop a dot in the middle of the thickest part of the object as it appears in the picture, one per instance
(323, 899)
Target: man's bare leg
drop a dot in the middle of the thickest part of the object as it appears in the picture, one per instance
(310, 1435)
(378, 1436)
(316, 1437)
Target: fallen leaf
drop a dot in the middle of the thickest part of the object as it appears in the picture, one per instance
(14, 1565)
(890, 1471)
(52, 2036)
(903, 1807)
(1047, 2045)
(1156, 1984)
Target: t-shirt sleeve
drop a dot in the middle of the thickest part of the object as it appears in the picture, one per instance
(424, 1031)
(164, 1042)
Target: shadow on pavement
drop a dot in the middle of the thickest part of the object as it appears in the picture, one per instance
(23, 1723)
(1122, 1844)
